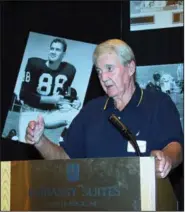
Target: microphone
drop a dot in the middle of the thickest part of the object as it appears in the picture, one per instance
(125, 132)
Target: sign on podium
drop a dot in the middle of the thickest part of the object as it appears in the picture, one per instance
(127, 184)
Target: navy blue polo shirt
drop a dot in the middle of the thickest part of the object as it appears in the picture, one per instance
(151, 116)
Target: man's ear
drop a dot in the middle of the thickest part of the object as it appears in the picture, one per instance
(132, 68)
(63, 54)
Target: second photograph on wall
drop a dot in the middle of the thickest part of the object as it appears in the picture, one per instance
(167, 78)
(147, 15)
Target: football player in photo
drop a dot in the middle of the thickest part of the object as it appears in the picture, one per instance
(47, 90)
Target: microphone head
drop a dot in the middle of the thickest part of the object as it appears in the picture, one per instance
(124, 131)
(117, 123)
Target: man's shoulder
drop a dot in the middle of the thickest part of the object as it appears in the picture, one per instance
(91, 109)
(36, 61)
(67, 65)
(96, 103)
(155, 95)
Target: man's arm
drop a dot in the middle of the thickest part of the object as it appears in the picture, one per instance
(70, 71)
(174, 151)
(35, 136)
(49, 150)
(169, 152)
(28, 92)
(51, 99)
(168, 158)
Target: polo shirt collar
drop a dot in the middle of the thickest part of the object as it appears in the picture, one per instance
(135, 101)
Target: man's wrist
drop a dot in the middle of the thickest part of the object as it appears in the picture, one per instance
(170, 157)
(39, 142)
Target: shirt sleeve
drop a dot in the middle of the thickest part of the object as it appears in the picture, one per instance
(70, 72)
(27, 93)
(74, 140)
(168, 124)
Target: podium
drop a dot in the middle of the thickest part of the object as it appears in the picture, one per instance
(93, 184)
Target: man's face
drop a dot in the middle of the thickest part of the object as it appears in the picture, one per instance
(114, 76)
(56, 52)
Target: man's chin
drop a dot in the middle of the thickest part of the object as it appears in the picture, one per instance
(111, 94)
(51, 61)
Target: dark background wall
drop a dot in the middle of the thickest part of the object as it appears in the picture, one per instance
(91, 22)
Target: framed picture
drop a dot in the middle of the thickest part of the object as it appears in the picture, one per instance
(167, 78)
(146, 15)
(52, 82)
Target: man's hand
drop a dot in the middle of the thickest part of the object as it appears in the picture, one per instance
(54, 99)
(64, 105)
(163, 163)
(76, 104)
(67, 105)
(57, 98)
(35, 130)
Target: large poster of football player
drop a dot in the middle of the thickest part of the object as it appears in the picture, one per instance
(52, 81)
(164, 78)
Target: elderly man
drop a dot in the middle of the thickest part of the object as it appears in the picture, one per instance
(151, 116)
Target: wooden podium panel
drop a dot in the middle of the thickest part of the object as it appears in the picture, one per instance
(126, 184)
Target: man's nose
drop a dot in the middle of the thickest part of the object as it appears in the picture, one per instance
(104, 76)
(53, 51)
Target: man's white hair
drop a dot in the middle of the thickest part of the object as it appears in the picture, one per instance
(121, 48)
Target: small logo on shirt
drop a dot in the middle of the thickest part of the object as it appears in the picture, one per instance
(137, 134)
(73, 172)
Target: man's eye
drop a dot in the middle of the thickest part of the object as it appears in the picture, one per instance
(98, 71)
(109, 68)
(59, 50)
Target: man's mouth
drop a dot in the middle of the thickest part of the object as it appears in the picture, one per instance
(109, 86)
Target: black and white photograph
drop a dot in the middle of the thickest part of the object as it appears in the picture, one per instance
(146, 15)
(164, 78)
(52, 82)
